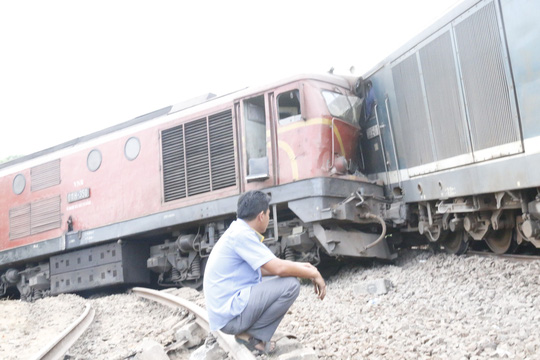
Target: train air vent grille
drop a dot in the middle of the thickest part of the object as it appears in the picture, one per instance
(198, 173)
(34, 218)
(45, 175)
(194, 165)
(45, 214)
(222, 150)
(174, 171)
(19, 222)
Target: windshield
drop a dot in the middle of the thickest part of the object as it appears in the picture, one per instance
(345, 107)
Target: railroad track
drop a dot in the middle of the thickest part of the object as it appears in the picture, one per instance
(514, 257)
(227, 342)
(196, 320)
(59, 346)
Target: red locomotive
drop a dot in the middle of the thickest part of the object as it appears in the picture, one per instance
(152, 195)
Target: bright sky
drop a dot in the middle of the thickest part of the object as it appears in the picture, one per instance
(69, 68)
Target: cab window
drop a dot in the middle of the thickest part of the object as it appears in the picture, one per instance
(289, 107)
(344, 107)
(255, 126)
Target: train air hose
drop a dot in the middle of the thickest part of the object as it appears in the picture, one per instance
(379, 219)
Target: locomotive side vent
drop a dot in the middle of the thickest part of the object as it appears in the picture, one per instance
(34, 218)
(194, 165)
(45, 175)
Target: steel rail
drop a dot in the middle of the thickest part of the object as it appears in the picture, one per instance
(227, 342)
(516, 257)
(57, 348)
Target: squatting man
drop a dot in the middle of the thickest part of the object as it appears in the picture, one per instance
(238, 300)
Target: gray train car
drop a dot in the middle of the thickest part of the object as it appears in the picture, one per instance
(452, 127)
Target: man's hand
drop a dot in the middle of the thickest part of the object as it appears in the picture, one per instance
(320, 286)
(304, 270)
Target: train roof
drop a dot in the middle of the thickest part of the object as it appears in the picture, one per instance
(444, 20)
(196, 103)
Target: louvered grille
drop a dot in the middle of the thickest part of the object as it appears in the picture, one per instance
(174, 172)
(486, 88)
(34, 218)
(197, 165)
(45, 215)
(19, 222)
(45, 175)
(191, 165)
(222, 150)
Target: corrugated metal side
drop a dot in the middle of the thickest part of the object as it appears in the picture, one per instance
(415, 137)
(222, 150)
(197, 158)
(45, 175)
(19, 222)
(444, 98)
(484, 81)
(193, 165)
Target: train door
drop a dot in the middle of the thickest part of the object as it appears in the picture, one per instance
(258, 170)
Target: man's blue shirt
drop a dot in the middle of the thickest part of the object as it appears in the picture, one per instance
(232, 269)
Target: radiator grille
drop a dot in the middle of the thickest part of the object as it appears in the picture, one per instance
(19, 222)
(45, 175)
(416, 135)
(194, 165)
(486, 89)
(197, 159)
(34, 218)
(222, 150)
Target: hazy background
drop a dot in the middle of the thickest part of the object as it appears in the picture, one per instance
(69, 68)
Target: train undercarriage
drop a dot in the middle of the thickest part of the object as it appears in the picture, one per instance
(358, 225)
(503, 220)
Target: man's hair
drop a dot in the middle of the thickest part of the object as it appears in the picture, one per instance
(251, 203)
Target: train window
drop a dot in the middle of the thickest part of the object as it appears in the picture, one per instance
(19, 183)
(344, 107)
(132, 148)
(94, 160)
(289, 107)
(255, 126)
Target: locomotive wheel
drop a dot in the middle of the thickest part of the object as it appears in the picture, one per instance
(499, 241)
(456, 243)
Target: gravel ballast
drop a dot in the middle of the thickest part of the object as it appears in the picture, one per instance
(435, 306)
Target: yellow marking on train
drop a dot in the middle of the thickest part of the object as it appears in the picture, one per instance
(290, 153)
(300, 124)
(340, 142)
(315, 121)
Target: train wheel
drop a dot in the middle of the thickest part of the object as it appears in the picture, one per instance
(499, 241)
(456, 243)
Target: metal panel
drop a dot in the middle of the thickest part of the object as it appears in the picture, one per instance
(45, 175)
(444, 97)
(222, 150)
(415, 138)
(488, 95)
(197, 158)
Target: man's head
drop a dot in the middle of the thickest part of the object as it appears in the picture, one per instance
(253, 207)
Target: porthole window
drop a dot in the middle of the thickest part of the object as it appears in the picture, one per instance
(19, 183)
(94, 160)
(132, 148)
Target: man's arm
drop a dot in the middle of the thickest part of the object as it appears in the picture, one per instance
(285, 268)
